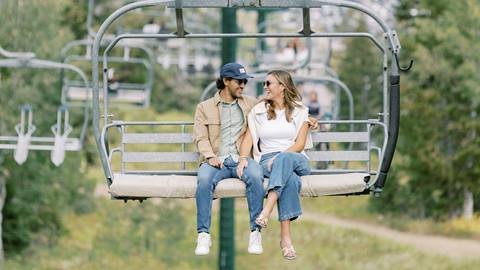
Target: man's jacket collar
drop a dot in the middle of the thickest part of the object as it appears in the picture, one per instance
(217, 99)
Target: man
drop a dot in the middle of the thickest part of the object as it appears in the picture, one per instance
(313, 104)
(219, 125)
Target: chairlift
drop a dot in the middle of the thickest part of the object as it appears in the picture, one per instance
(178, 178)
(74, 93)
(193, 55)
(266, 59)
(24, 140)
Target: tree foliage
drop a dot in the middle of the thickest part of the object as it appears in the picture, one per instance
(360, 69)
(37, 192)
(438, 147)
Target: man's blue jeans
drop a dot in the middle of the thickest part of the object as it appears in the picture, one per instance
(284, 179)
(208, 178)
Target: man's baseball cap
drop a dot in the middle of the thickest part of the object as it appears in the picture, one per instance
(234, 70)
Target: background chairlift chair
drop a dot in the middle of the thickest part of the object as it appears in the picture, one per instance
(314, 70)
(191, 56)
(132, 183)
(137, 94)
(60, 141)
(272, 53)
(296, 53)
(194, 56)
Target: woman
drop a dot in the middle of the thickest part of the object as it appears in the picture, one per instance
(277, 130)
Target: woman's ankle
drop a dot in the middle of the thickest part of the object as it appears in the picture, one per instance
(285, 242)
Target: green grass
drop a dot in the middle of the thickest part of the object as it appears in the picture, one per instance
(160, 234)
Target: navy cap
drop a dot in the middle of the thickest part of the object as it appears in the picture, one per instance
(234, 70)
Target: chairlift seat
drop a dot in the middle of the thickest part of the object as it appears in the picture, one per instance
(130, 183)
(184, 186)
(126, 93)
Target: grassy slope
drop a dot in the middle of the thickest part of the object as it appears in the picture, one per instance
(160, 234)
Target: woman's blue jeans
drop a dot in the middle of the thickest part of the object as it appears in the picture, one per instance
(207, 179)
(284, 179)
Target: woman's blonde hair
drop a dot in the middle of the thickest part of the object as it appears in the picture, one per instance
(292, 97)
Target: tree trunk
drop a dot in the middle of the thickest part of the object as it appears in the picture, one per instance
(467, 204)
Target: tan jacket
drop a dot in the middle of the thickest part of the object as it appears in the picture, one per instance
(206, 127)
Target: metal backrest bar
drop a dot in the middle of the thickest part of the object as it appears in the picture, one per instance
(149, 157)
(148, 138)
(338, 155)
(340, 137)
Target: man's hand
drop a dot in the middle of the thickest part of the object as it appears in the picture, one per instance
(312, 123)
(215, 162)
(242, 164)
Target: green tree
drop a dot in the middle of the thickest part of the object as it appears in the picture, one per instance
(37, 192)
(360, 69)
(436, 168)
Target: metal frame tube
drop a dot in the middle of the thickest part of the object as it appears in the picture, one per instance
(10, 54)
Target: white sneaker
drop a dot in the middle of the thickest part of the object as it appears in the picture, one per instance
(203, 244)
(255, 243)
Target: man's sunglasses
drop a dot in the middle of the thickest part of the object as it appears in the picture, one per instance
(240, 81)
(267, 83)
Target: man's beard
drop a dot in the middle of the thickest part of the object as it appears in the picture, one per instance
(233, 93)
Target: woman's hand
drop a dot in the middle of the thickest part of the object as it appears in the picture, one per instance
(242, 163)
(313, 123)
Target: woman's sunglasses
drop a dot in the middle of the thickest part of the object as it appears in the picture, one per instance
(267, 83)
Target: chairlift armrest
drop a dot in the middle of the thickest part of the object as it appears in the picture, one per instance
(114, 150)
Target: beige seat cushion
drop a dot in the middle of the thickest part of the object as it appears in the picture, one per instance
(179, 186)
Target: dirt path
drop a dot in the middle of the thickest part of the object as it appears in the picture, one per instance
(451, 247)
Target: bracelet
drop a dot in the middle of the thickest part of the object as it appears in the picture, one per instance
(245, 158)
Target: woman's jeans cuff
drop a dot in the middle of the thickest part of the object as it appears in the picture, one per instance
(290, 216)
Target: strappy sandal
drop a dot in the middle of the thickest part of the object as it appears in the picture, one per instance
(262, 220)
(288, 252)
